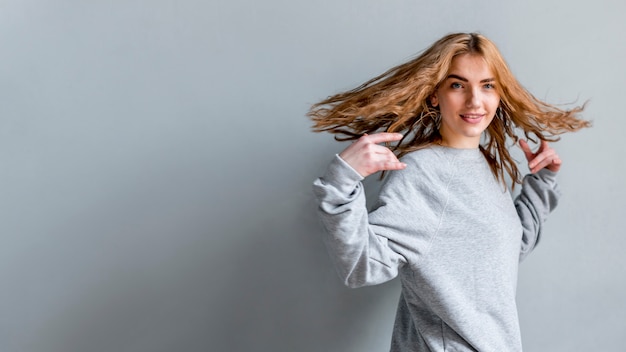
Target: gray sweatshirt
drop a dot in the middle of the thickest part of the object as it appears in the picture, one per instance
(453, 235)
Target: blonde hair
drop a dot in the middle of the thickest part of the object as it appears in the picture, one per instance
(398, 101)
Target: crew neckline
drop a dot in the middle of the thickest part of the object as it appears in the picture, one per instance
(466, 153)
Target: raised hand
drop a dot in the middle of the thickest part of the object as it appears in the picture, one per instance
(367, 157)
(545, 157)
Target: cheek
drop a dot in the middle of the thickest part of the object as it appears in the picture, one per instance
(492, 106)
(496, 102)
(451, 102)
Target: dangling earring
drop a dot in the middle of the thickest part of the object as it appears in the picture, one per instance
(435, 112)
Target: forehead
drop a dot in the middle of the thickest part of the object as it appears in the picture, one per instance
(470, 66)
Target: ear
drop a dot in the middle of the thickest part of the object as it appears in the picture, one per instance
(434, 101)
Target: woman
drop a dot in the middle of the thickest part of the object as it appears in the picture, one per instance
(445, 222)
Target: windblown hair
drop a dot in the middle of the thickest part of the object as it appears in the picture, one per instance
(398, 101)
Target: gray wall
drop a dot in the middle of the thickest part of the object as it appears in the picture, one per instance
(155, 170)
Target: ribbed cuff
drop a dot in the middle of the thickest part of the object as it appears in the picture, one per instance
(341, 175)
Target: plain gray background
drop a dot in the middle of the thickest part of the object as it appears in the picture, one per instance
(156, 167)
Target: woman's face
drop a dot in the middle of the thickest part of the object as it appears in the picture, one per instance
(468, 100)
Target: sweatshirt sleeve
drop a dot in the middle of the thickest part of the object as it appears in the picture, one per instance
(361, 256)
(539, 196)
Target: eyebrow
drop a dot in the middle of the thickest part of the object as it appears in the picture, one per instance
(466, 80)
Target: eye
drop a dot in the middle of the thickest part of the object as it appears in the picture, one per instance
(456, 85)
(489, 86)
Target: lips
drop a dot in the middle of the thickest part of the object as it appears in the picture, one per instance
(472, 118)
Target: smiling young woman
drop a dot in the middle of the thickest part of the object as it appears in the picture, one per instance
(444, 224)
(467, 101)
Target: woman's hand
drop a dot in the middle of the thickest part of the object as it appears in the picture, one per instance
(367, 157)
(544, 157)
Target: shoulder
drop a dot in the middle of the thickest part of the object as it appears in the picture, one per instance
(424, 166)
(423, 183)
(429, 160)
(422, 154)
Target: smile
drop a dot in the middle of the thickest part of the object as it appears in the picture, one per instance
(472, 118)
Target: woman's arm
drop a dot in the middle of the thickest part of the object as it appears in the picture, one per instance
(540, 193)
(361, 256)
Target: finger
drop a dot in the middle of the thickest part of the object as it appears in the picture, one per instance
(539, 166)
(548, 159)
(383, 155)
(550, 164)
(526, 149)
(539, 162)
(544, 155)
(393, 165)
(381, 150)
(556, 165)
(381, 137)
(381, 165)
(385, 161)
(368, 151)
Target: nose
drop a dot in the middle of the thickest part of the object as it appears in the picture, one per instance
(473, 98)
